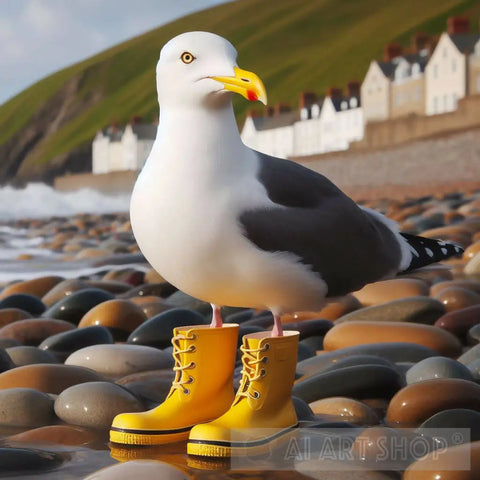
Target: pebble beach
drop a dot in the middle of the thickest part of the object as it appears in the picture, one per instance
(85, 331)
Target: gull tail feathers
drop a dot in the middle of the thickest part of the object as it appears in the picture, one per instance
(426, 250)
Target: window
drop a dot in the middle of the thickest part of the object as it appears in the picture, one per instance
(398, 99)
(454, 65)
(454, 101)
(435, 71)
(315, 111)
(415, 69)
(445, 103)
(435, 104)
(304, 114)
(353, 102)
(344, 105)
(444, 52)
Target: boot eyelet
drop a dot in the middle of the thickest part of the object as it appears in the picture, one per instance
(186, 391)
(266, 347)
(265, 359)
(192, 365)
(192, 348)
(263, 372)
(190, 379)
(193, 337)
(256, 394)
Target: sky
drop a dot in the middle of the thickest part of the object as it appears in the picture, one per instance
(39, 37)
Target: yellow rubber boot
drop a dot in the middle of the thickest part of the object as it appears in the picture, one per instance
(262, 414)
(202, 389)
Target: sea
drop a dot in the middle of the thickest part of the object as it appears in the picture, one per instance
(40, 201)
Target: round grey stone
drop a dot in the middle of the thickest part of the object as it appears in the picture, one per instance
(144, 469)
(25, 407)
(120, 359)
(27, 355)
(437, 367)
(470, 355)
(95, 404)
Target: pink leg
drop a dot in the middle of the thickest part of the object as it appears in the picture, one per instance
(216, 317)
(277, 326)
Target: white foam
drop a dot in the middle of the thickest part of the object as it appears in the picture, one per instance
(38, 200)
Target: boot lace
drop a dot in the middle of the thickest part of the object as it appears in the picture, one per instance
(252, 359)
(180, 379)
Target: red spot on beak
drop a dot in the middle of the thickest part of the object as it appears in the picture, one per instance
(252, 96)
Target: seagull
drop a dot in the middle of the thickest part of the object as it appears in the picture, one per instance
(235, 227)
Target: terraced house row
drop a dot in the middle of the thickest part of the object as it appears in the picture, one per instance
(427, 79)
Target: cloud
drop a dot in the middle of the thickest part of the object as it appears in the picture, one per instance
(39, 37)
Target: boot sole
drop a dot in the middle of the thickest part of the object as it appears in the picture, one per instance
(127, 436)
(214, 448)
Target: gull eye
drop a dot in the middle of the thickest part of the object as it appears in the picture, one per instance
(187, 57)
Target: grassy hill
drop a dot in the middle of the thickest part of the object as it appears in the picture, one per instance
(292, 45)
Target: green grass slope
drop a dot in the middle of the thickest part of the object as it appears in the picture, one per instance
(292, 45)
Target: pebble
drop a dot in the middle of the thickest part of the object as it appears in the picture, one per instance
(349, 334)
(412, 405)
(109, 286)
(437, 367)
(413, 309)
(470, 355)
(474, 368)
(73, 307)
(8, 342)
(454, 419)
(310, 328)
(63, 344)
(473, 335)
(120, 359)
(5, 361)
(144, 469)
(151, 391)
(25, 407)
(471, 250)
(161, 290)
(473, 285)
(150, 305)
(347, 409)
(48, 378)
(10, 315)
(57, 434)
(121, 317)
(182, 300)
(431, 274)
(62, 290)
(37, 287)
(29, 461)
(33, 331)
(88, 253)
(456, 298)
(27, 355)
(95, 404)
(389, 290)
(394, 352)
(158, 330)
(460, 321)
(23, 301)
(473, 266)
(361, 381)
(460, 462)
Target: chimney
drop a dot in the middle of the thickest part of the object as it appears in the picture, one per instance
(279, 108)
(333, 92)
(269, 112)
(391, 50)
(457, 25)
(136, 119)
(306, 99)
(353, 88)
(421, 41)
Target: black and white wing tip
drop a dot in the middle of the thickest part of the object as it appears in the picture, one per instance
(426, 250)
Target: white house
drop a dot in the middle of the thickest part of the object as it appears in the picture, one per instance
(272, 134)
(325, 126)
(116, 149)
(447, 70)
(474, 70)
(341, 122)
(375, 91)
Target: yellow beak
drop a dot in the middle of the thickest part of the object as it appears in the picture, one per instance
(246, 84)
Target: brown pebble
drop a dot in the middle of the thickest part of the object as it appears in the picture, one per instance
(10, 315)
(388, 290)
(61, 290)
(58, 434)
(346, 409)
(121, 315)
(88, 253)
(48, 378)
(152, 276)
(430, 274)
(471, 250)
(348, 334)
(25, 256)
(109, 286)
(456, 298)
(33, 331)
(468, 284)
(460, 321)
(150, 305)
(413, 404)
(459, 462)
(37, 287)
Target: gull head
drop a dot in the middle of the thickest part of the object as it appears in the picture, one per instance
(200, 69)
